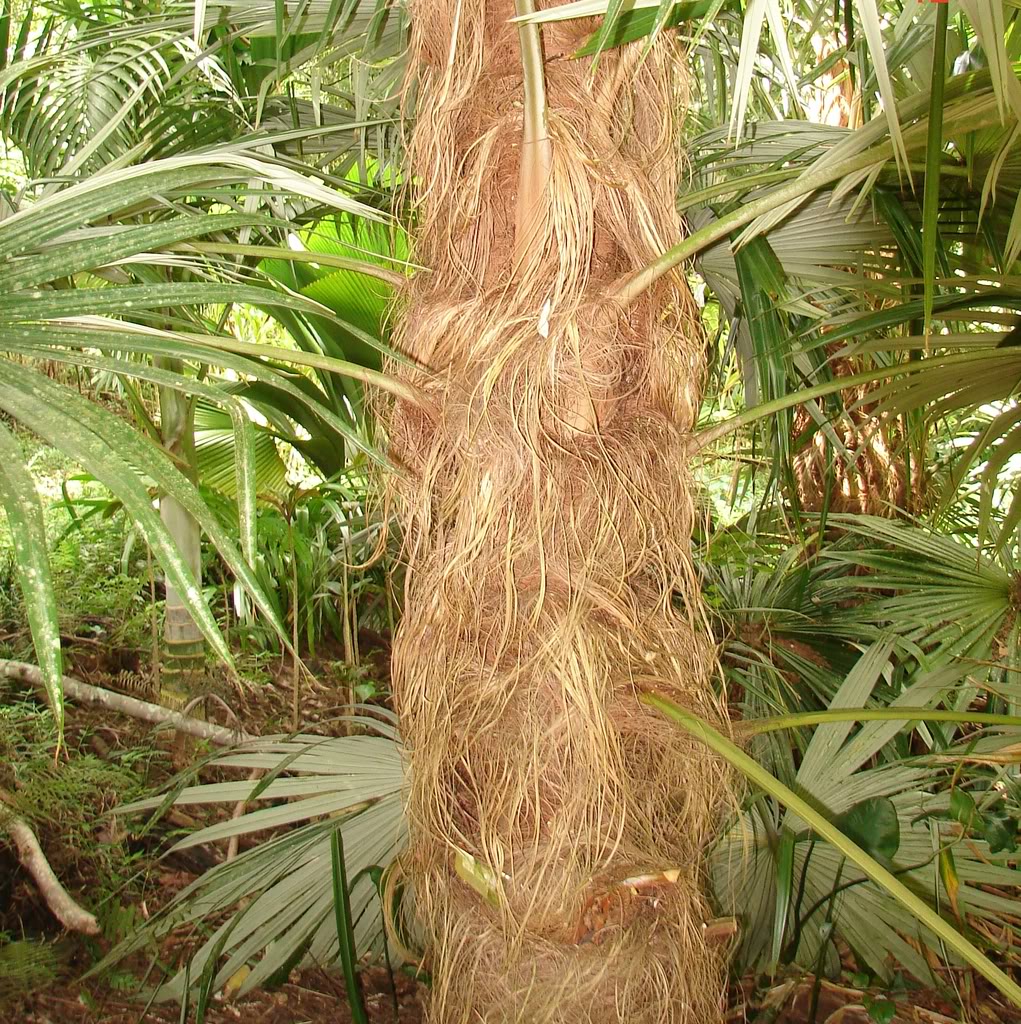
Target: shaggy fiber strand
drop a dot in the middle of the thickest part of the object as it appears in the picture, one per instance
(556, 824)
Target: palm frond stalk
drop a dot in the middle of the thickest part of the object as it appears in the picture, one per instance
(556, 827)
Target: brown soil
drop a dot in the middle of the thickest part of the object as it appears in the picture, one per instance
(310, 996)
(314, 997)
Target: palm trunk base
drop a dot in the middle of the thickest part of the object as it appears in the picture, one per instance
(639, 955)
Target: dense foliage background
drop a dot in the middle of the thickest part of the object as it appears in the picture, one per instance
(202, 235)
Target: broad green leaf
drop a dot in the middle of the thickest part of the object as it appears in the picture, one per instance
(853, 692)
(611, 18)
(874, 826)
(1000, 831)
(963, 808)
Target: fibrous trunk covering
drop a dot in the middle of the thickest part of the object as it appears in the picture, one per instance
(556, 824)
(875, 474)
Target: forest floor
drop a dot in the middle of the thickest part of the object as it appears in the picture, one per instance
(310, 998)
(318, 996)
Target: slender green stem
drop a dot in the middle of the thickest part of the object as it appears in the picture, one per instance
(933, 162)
(536, 152)
(758, 726)
(881, 876)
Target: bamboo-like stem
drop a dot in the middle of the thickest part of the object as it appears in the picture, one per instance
(183, 639)
(933, 165)
(536, 151)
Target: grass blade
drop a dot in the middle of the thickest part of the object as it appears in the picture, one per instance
(345, 930)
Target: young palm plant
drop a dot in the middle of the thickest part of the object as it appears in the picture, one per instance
(149, 199)
(80, 291)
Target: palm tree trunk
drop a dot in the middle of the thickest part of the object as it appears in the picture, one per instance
(184, 646)
(556, 825)
(874, 474)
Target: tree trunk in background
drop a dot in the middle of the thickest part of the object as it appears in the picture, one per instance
(557, 826)
(876, 477)
(184, 647)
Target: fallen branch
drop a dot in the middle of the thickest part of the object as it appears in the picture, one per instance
(121, 703)
(34, 861)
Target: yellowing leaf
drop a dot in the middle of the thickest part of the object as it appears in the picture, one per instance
(235, 981)
(950, 879)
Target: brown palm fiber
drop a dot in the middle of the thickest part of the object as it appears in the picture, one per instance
(547, 514)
